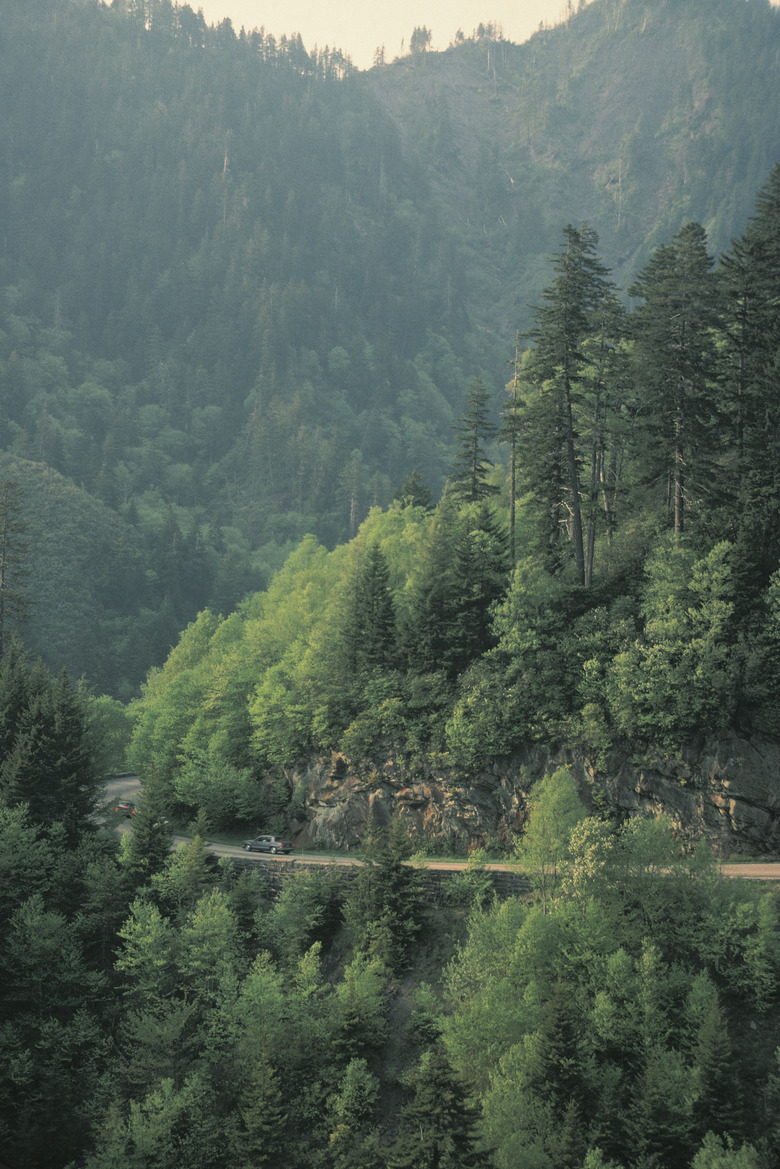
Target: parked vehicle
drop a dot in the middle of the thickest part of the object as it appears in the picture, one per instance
(126, 808)
(267, 844)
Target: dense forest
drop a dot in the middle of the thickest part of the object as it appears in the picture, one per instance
(409, 421)
(245, 287)
(160, 1009)
(623, 592)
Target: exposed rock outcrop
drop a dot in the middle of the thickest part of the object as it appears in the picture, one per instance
(726, 790)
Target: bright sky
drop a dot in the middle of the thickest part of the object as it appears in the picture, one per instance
(358, 28)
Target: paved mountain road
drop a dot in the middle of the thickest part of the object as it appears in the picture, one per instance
(128, 787)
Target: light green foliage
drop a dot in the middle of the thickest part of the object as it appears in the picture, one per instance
(183, 880)
(554, 809)
(679, 677)
(208, 946)
(362, 1005)
(306, 911)
(594, 1159)
(112, 725)
(224, 793)
(168, 1126)
(354, 1140)
(739, 937)
(170, 700)
(721, 1153)
(258, 1015)
(147, 962)
(593, 1018)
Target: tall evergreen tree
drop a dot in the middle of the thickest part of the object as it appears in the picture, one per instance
(716, 1103)
(552, 448)
(481, 572)
(433, 595)
(438, 1125)
(257, 1140)
(676, 367)
(371, 632)
(146, 849)
(14, 603)
(752, 362)
(48, 760)
(509, 433)
(469, 479)
(414, 492)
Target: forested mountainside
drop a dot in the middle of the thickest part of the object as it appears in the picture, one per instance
(245, 287)
(246, 302)
(162, 1009)
(618, 595)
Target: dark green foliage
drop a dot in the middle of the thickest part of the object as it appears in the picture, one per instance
(480, 572)
(383, 911)
(90, 600)
(749, 277)
(574, 305)
(14, 562)
(438, 1127)
(414, 492)
(676, 369)
(717, 1104)
(258, 1140)
(435, 596)
(146, 848)
(46, 751)
(469, 483)
(371, 635)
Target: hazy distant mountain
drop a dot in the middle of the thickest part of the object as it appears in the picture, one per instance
(244, 289)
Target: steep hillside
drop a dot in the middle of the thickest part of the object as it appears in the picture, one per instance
(244, 288)
(86, 582)
(635, 117)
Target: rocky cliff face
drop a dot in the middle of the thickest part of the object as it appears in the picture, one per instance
(725, 790)
(444, 807)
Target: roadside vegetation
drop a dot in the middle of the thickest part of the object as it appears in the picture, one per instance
(162, 1007)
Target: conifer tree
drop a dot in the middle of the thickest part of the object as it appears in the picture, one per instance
(752, 359)
(14, 604)
(433, 595)
(552, 447)
(47, 758)
(509, 433)
(716, 1105)
(414, 492)
(676, 367)
(371, 627)
(469, 479)
(146, 849)
(438, 1125)
(480, 570)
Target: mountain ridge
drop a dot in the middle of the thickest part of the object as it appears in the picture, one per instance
(245, 287)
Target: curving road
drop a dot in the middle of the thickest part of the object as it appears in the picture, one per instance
(128, 787)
